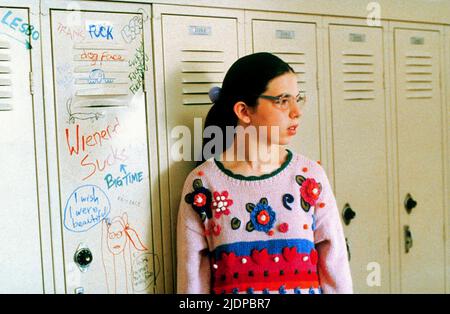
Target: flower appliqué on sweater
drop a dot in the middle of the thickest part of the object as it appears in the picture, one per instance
(309, 190)
(200, 199)
(262, 216)
(221, 204)
(213, 228)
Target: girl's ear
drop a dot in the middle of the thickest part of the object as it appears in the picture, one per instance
(242, 111)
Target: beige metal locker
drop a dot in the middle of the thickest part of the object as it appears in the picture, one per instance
(197, 51)
(102, 129)
(358, 117)
(295, 43)
(25, 254)
(420, 152)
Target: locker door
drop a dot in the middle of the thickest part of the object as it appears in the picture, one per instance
(420, 163)
(99, 63)
(197, 52)
(295, 43)
(21, 268)
(359, 146)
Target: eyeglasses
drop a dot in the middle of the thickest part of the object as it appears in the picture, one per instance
(283, 100)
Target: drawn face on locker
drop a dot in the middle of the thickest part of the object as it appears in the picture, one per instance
(358, 103)
(20, 254)
(99, 64)
(295, 43)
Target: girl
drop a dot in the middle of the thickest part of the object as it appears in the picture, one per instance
(264, 220)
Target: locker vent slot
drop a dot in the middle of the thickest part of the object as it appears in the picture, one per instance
(297, 60)
(201, 69)
(6, 94)
(419, 75)
(101, 72)
(358, 72)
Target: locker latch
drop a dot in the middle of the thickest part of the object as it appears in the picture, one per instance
(409, 203)
(83, 257)
(408, 238)
(348, 214)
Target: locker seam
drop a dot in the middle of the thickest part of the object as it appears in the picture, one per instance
(168, 201)
(41, 9)
(36, 166)
(57, 154)
(149, 148)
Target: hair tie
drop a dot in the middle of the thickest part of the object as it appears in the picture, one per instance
(214, 94)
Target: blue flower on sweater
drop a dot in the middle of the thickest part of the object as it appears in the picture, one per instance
(200, 199)
(262, 216)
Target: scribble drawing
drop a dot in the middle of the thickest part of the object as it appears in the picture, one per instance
(73, 116)
(119, 240)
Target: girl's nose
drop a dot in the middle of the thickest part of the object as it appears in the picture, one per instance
(295, 111)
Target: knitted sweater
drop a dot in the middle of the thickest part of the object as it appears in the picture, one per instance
(276, 233)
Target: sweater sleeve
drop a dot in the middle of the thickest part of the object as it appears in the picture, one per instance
(333, 265)
(193, 265)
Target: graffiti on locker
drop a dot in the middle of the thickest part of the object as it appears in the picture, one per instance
(73, 116)
(17, 24)
(119, 243)
(133, 29)
(64, 77)
(73, 32)
(139, 65)
(86, 207)
(98, 76)
(127, 201)
(128, 178)
(95, 140)
(95, 57)
(143, 275)
(100, 31)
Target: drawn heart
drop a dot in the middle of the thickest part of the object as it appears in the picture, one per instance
(260, 257)
(228, 259)
(289, 253)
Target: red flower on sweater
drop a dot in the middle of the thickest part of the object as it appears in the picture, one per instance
(199, 200)
(284, 227)
(310, 191)
(221, 203)
(215, 228)
(263, 217)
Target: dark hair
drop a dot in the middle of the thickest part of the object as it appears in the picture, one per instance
(246, 79)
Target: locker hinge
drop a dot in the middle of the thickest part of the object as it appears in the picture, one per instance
(31, 83)
(389, 245)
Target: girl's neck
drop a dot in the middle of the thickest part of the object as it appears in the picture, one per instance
(253, 162)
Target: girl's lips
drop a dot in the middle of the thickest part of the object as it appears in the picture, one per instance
(292, 129)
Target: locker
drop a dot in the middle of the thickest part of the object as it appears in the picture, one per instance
(24, 257)
(197, 52)
(295, 43)
(360, 150)
(102, 197)
(420, 171)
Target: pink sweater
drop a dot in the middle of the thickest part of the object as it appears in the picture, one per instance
(277, 233)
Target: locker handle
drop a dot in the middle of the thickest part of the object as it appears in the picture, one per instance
(408, 239)
(348, 214)
(409, 203)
